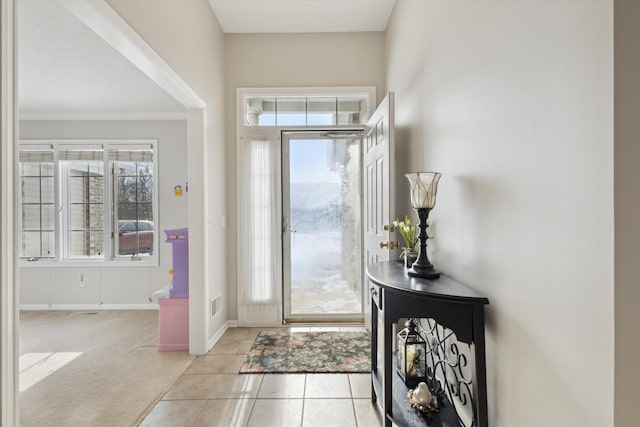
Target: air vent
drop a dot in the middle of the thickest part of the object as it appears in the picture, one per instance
(215, 306)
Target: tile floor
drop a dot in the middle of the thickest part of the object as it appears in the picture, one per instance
(212, 393)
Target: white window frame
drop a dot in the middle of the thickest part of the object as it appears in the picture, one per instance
(37, 148)
(113, 185)
(61, 173)
(62, 257)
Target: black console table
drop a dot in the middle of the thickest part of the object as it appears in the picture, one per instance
(452, 321)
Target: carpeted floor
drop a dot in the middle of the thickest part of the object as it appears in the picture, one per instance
(109, 372)
(308, 352)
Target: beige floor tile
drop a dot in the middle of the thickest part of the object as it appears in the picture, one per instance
(214, 386)
(224, 413)
(209, 364)
(239, 333)
(282, 386)
(225, 347)
(252, 333)
(327, 386)
(244, 346)
(328, 413)
(367, 413)
(255, 331)
(173, 413)
(228, 340)
(196, 386)
(360, 385)
(235, 386)
(234, 364)
(237, 339)
(276, 413)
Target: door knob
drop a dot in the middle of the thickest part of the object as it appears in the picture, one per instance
(384, 244)
(395, 244)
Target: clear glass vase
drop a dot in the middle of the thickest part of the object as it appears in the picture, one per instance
(409, 255)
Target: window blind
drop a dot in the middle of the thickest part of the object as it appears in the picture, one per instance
(36, 153)
(70, 152)
(130, 155)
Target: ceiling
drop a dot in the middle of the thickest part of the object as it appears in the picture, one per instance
(66, 71)
(302, 16)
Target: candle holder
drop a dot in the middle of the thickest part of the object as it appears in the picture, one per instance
(424, 186)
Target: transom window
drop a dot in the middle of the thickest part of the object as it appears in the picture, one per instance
(305, 110)
(87, 200)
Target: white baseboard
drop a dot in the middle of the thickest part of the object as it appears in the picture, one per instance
(216, 337)
(75, 307)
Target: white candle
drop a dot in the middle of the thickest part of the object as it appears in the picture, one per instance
(411, 362)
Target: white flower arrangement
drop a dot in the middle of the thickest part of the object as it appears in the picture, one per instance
(408, 232)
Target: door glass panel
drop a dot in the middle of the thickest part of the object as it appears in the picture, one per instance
(324, 218)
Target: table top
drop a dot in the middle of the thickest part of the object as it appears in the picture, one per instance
(392, 275)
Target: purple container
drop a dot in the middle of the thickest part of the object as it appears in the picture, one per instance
(179, 238)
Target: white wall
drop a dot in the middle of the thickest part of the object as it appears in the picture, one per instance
(291, 60)
(58, 285)
(627, 206)
(186, 34)
(512, 102)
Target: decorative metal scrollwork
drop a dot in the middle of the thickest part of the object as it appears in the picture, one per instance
(449, 371)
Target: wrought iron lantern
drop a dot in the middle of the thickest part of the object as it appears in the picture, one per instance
(412, 352)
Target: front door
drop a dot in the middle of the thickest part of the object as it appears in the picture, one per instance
(378, 181)
(322, 226)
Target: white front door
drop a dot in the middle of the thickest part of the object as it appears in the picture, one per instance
(378, 182)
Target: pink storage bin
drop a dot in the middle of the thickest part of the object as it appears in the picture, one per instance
(174, 324)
